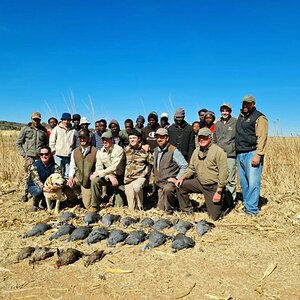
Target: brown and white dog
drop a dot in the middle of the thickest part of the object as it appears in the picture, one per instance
(54, 183)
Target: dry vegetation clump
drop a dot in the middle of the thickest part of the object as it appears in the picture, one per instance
(241, 258)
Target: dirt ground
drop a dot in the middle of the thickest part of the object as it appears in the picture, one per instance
(241, 258)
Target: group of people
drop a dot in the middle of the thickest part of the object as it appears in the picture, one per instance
(168, 161)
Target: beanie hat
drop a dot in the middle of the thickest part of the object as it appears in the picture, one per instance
(153, 115)
(113, 121)
(140, 117)
(76, 117)
(180, 113)
(134, 132)
(210, 113)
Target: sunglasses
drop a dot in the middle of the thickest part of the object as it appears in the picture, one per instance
(44, 154)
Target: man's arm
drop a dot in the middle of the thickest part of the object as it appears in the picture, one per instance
(20, 142)
(261, 131)
(53, 137)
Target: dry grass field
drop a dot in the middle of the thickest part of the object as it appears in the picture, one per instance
(241, 258)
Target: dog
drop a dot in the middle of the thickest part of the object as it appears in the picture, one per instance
(55, 183)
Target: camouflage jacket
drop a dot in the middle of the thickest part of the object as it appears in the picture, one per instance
(137, 163)
(39, 177)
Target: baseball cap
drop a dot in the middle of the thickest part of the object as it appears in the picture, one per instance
(106, 135)
(204, 132)
(161, 131)
(249, 99)
(36, 115)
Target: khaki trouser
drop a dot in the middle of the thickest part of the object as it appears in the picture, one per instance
(96, 190)
(167, 199)
(134, 193)
(214, 210)
(28, 161)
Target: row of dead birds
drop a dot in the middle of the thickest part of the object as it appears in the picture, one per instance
(65, 256)
(114, 236)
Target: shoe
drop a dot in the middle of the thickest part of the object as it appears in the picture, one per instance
(169, 212)
(93, 209)
(24, 198)
(35, 208)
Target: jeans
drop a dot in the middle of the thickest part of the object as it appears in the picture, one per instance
(36, 193)
(64, 164)
(250, 179)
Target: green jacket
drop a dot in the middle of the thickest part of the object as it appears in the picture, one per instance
(31, 140)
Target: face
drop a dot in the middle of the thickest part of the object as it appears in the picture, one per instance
(84, 126)
(134, 140)
(225, 112)
(246, 107)
(179, 120)
(114, 127)
(128, 127)
(84, 141)
(162, 140)
(196, 127)
(36, 122)
(140, 123)
(152, 121)
(204, 141)
(76, 122)
(163, 121)
(201, 116)
(45, 156)
(107, 143)
(209, 119)
(65, 123)
(52, 123)
(100, 127)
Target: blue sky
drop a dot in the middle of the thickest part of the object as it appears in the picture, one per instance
(126, 58)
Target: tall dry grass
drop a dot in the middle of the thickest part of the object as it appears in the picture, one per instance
(280, 175)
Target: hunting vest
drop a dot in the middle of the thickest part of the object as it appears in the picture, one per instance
(167, 166)
(85, 166)
(245, 138)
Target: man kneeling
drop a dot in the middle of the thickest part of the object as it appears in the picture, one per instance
(209, 165)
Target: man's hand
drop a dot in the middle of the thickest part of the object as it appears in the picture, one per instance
(113, 180)
(47, 189)
(94, 175)
(172, 180)
(71, 182)
(255, 161)
(216, 198)
(179, 181)
(146, 147)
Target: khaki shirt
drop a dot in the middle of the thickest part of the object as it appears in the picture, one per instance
(110, 162)
(261, 131)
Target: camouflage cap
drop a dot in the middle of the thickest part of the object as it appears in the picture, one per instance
(36, 115)
(226, 104)
(204, 132)
(106, 135)
(249, 99)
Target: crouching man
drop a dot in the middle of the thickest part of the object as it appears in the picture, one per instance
(138, 159)
(39, 172)
(169, 165)
(82, 165)
(209, 166)
(110, 164)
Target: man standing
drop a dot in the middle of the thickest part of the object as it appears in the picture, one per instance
(164, 120)
(61, 143)
(39, 172)
(100, 127)
(169, 165)
(149, 131)
(110, 165)
(250, 141)
(224, 136)
(201, 114)
(83, 161)
(139, 126)
(31, 138)
(136, 170)
(181, 135)
(209, 166)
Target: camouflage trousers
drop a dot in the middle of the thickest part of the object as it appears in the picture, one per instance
(28, 161)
